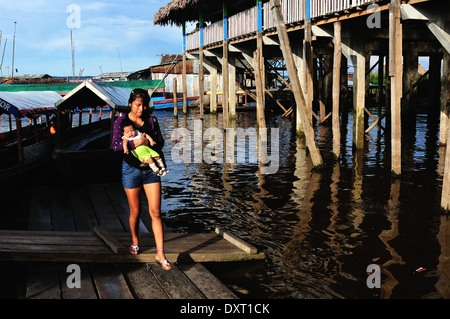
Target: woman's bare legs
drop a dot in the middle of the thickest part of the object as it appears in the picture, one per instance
(153, 193)
(133, 196)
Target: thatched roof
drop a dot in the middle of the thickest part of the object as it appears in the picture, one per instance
(178, 11)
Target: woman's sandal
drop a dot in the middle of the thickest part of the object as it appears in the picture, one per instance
(134, 249)
(165, 264)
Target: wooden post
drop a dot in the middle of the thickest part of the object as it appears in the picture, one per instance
(395, 72)
(183, 74)
(259, 80)
(225, 81)
(201, 83)
(380, 93)
(225, 78)
(259, 91)
(445, 197)
(445, 100)
(297, 90)
(336, 89)
(308, 60)
(175, 102)
(359, 92)
(232, 87)
(297, 50)
(213, 96)
(410, 76)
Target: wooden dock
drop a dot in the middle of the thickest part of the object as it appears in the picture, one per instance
(87, 225)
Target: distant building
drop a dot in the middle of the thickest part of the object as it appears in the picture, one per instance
(117, 76)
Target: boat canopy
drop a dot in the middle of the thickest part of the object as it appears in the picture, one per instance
(28, 103)
(92, 94)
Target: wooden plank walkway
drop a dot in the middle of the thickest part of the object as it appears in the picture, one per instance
(67, 246)
(63, 228)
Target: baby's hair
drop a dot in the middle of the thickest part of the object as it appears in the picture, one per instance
(140, 93)
(126, 122)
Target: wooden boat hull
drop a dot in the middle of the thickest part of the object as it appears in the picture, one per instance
(167, 104)
(37, 157)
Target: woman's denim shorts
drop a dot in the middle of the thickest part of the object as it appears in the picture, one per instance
(134, 177)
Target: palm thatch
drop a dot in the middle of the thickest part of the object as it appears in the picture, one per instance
(176, 12)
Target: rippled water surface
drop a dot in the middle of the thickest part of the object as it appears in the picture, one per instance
(319, 230)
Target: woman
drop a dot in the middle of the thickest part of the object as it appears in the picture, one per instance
(137, 176)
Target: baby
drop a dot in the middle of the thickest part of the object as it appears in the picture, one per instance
(144, 153)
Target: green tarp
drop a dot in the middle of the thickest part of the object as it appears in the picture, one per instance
(67, 87)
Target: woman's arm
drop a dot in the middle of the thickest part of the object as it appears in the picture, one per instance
(117, 142)
(157, 137)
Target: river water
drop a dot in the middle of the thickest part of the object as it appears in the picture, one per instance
(319, 230)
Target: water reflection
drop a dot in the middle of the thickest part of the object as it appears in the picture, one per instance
(319, 231)
(388, 235)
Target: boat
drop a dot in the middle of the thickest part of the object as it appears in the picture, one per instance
(26, 147)
(162, 103)
(83, 152)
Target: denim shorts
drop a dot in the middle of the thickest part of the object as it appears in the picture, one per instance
(134, 177)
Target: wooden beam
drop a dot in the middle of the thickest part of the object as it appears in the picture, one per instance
(109, 240)
(295, 82)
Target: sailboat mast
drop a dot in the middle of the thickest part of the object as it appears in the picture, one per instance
(14, 46)
(73, 56)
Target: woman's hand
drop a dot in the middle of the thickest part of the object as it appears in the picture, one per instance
(141, 141)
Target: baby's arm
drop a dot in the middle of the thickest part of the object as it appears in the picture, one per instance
(125, 145)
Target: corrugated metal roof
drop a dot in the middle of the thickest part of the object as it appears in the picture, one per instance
(93, 94)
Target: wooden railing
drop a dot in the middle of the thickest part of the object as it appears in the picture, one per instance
(246, 22)
(213, 33)
(293, 11)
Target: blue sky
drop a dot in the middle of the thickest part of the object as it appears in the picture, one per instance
(106, 28)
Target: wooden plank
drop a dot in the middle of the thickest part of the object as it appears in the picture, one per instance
(237, 241)
(109, 240)
(207, 283)
(175, 282)
(62, 218)
(110, 282)
(43, 282)
(86, 289)
(143, 284)
(117, 196)
(57, 246)
(103, 208)
(83, 213)
(40, 209)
